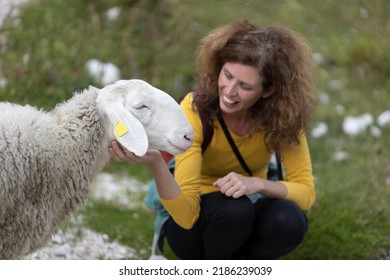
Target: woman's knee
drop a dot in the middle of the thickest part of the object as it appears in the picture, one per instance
(291, 218)
(279, 228)
(222, 209)
(283, 217)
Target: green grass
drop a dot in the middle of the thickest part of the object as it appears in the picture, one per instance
(349, 220)
(130, 227)
(43, 60)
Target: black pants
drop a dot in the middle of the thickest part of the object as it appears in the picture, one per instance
(230, 228)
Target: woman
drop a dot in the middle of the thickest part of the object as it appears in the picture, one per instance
(260, 82)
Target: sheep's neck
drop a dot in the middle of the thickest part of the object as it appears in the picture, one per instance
(85, 125)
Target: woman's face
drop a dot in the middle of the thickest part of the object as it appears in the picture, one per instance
(240, 87)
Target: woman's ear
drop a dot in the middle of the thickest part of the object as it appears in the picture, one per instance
(268, 91)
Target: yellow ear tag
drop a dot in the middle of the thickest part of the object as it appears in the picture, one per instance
(120, 129)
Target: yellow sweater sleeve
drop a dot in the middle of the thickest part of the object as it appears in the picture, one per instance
(298, 175)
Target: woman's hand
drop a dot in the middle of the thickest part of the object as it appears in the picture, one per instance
(122, 155)
(166, 185)
(236, 185)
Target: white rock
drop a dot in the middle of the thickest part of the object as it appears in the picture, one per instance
(384, 118)
(9, 8)
(340, 109)
(157, 257)
(113, 13)
(105, 73)
(324, 98)
(81, 243)
(320, 130)
(124, 191)
(63, 250)
(318, 58)
(363, 13)
(3, 82)
(336, 84)
(375, 131)
(356, 125)
(340, 156)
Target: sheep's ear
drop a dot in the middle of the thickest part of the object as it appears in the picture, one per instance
(128, 130)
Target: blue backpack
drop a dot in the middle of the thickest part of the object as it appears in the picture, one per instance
(152, 200)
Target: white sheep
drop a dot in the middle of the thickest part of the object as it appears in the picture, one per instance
(48, 159)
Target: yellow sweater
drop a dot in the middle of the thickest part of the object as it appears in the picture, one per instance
(196, 172)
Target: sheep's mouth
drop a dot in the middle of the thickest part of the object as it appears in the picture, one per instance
(177, 147)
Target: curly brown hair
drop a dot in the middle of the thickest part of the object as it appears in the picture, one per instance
(283, 59)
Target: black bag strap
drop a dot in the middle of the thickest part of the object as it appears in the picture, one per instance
(279, 166)
(233, 145)
(238, 154)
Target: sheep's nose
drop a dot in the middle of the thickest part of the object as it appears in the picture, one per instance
(188, 137)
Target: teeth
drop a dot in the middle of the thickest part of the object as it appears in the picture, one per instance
(228, 100)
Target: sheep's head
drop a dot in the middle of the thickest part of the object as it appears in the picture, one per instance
(145, 117)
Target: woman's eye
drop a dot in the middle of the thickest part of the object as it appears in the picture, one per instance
(228, 76)
(246, 87)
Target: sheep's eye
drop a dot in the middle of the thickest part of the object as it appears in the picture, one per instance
(141, 106)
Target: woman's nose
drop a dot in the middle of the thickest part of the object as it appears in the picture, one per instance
(230, 88)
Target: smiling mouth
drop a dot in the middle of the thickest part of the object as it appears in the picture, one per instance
(228, 101)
